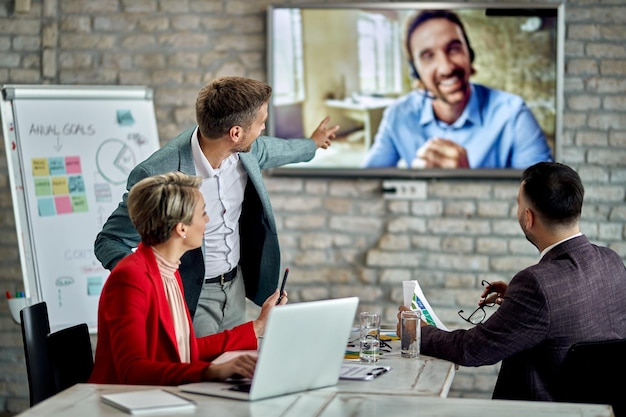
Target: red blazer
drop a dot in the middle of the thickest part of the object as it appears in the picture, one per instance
(136, 340)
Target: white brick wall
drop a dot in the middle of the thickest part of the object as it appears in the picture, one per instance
(339, 236)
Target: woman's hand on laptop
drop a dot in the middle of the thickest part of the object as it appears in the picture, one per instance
(241, 366)
(270, 302)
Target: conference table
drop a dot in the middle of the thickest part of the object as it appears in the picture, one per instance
(413, 387)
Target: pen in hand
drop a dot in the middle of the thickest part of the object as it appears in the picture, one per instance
(282, 286)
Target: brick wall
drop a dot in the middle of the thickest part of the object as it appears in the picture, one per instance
(338, 236)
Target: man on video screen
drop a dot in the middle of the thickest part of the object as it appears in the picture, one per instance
(448, 122)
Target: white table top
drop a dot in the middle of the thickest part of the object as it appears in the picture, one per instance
(84, 400)
(411, 385)
(424, 376)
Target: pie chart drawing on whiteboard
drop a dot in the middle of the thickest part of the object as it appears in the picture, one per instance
(115, 160)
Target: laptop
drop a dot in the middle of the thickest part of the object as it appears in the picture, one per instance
(303, 349)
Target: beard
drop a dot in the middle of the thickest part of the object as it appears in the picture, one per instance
(451, 97)
(243, 149)
(529, 236)
(245, 144)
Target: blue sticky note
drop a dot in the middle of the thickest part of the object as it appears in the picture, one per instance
(94, 286)
(125, 118)
(76, 184)
(45, 207)
(57, 165)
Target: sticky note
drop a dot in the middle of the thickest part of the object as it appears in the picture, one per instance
(57, 166)
(76, 185)
(42, 187)
(72, 164)
(94, 286)
(125, 118)
(63, 204)
(79, 203)
(60, 186)
(45, 206)
(40, 167)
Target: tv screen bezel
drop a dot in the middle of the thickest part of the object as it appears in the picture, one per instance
(402, 173)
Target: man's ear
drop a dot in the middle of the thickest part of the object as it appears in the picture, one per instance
(236, 133)
(530, 218)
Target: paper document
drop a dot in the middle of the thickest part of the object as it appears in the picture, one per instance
(362, 372)
(414, 299)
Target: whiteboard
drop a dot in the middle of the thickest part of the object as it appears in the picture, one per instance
(69, 153)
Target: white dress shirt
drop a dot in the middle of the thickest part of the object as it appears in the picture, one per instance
(223, 190)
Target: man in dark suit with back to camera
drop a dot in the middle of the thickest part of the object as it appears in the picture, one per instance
(240, 243)
(575, 293)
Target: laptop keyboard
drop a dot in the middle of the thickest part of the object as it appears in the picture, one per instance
(241, 387)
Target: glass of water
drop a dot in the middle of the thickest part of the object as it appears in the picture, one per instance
(410, 334)
(369, 337)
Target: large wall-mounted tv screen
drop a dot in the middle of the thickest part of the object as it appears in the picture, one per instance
(419, 89)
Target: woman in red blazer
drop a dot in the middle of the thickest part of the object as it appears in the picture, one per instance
(145, 333)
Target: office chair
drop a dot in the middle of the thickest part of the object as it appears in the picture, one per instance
(591, 374)
(35, 330)
(70, 356)
(54, 361)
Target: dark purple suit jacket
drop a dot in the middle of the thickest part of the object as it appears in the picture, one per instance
(576, 293)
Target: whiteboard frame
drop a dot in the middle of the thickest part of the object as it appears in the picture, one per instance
(10, 93)
(18, 199)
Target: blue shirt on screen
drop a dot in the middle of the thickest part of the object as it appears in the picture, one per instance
(496, 128)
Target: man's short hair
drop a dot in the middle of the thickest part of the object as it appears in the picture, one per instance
(227, 102)
(423, 17)
(555, 191)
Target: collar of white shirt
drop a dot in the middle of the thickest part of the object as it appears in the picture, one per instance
(546, 250)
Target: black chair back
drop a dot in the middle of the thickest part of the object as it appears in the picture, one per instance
(54, 361)
(591, 373)
(35, 330)
(70, 355)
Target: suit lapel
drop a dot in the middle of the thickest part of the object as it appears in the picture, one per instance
(185, 155)
(256, 177)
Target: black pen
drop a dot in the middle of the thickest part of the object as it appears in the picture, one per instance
(377, 371)
(282, 286)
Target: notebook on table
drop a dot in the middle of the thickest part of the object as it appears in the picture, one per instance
(148, 401)
(302, 349)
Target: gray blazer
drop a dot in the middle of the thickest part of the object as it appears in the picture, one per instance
(576, 293)
(260, 252)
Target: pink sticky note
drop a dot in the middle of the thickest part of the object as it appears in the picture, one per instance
(63, 204)
(72, 165)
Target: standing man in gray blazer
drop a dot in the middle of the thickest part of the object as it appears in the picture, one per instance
(240, 256)
(575, 293)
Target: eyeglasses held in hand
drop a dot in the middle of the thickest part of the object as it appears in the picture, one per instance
(479, 314)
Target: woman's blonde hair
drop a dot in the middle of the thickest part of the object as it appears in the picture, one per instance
(158, 203)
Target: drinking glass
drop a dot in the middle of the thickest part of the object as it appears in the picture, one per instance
(369, 337)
